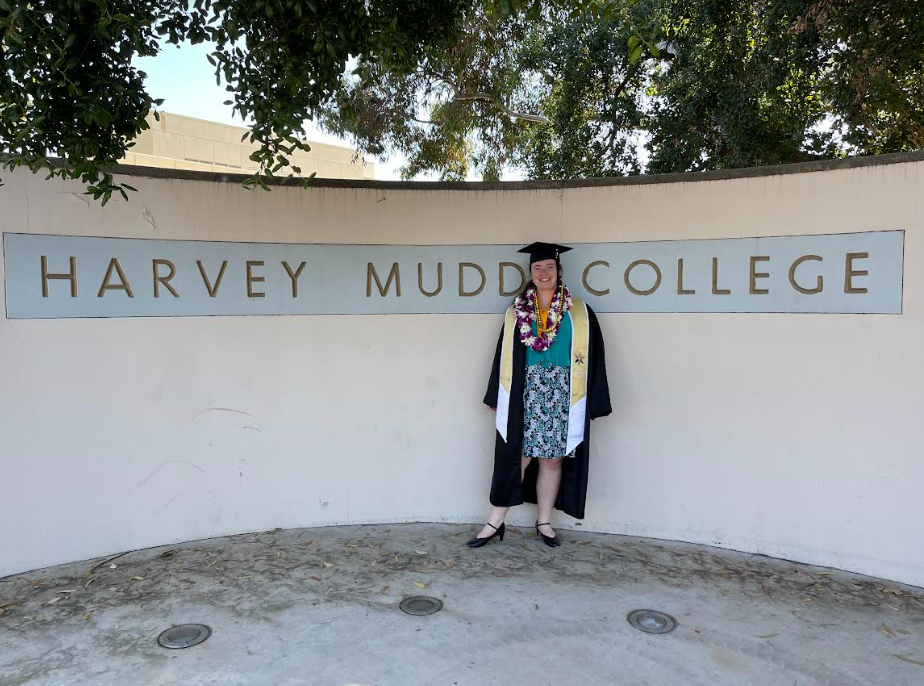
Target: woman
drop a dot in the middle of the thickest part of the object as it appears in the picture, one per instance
(547, 383)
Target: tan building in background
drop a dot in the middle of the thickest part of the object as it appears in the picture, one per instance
(178, 142)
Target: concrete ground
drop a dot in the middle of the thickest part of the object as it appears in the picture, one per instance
(320, 606)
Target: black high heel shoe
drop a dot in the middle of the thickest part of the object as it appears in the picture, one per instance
(551, 541)
(478, 542)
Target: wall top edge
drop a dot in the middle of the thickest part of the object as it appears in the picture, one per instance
(640, 180)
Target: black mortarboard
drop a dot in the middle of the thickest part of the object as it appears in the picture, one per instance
(544, 251)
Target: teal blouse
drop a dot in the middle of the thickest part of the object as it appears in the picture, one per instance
(557, 354)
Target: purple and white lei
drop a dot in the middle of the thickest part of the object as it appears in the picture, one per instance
(525, 308)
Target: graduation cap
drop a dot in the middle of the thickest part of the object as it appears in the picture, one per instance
(544, 251)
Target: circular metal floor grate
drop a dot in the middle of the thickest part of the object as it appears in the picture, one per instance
(421, 605)
(184, 636)
(651, 621)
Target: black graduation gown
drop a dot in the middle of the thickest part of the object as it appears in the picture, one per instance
(507, 489)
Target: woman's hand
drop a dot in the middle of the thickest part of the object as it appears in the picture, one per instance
(493, 409)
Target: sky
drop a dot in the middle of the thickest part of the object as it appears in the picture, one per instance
(183, 77)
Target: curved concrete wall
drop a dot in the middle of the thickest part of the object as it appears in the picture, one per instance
(792, 435)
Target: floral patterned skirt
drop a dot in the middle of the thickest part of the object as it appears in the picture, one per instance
(546, 403)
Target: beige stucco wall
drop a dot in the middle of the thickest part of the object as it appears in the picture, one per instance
(792, 435)
(175, 141)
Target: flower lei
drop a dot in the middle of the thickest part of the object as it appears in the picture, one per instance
(526, 307)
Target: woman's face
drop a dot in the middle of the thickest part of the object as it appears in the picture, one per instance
(544, 274)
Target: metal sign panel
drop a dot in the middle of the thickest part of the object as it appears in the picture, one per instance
(51, 276)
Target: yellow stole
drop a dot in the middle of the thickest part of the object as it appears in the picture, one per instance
(580, 342)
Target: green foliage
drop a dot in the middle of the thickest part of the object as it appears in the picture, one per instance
(873, 83)
(576, 89)
(70, 99)
(67, 86)
(557, 88)
(450, 113)
(590, 90)
(738, 89)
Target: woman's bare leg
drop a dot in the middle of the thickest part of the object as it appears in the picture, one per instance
(497, 514)
(547, 491)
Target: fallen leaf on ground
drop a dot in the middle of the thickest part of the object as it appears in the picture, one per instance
(451, 565)
(420, 584)
(36, 582)
(89, 582)
(68, 590)
(601, 556)
(167, 553)
(886, 630)
(113, 566)
(86, 617)
(421, 570)
(137, 578)
(824, 573)
(584, 543)
(908, 659)
(421, 552)
(396, 557)
(806, 600)
(769, 635)
(53, 601)
(384, 590)
(316, 578)
(328, 565)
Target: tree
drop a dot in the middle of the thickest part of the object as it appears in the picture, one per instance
(590, 85)
(68, 89)
(560, 88)
(734, 88)
(476, 101)
(786, 81)
(874, 81)
(656, 85)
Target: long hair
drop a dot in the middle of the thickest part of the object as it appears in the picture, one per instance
(530, 286)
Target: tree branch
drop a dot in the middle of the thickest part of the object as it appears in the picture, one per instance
(487, 97)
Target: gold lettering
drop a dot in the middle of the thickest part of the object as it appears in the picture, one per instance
(165, 280)
(715, 279)
(500, 279)
(69, 276)
(213, 291)
(393, 275)
(636, 290)
(294, 276)
(680, 288)
(439, 279)
(753, 289)
(123, 286)
(850, 272)
(484, 279)
(251, 279)
(598, 263)
(819, 283)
